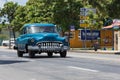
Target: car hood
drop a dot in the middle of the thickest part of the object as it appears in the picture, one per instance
(47, 37)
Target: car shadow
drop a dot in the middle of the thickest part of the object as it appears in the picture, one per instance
(117, 53)
(44, 57)
(3, 62)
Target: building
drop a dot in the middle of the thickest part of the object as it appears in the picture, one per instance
(105, 39)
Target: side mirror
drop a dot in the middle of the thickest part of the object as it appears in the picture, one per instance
(58, 28)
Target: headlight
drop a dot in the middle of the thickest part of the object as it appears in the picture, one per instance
(61, 44)
(32, 40)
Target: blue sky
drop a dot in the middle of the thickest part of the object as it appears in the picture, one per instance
(21, 2)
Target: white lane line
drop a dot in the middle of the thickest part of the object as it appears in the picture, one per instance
(6, 56)
(26, 59)
(10, 57)
(84, 69)
(33, 79)
(96, 57)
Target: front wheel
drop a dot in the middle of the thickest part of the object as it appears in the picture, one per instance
(31, 54)
(95, 48)
(19, 53)
(63, 54)
(50, 54)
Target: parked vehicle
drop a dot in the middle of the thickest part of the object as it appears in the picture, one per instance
(7, 42)
(41, 38)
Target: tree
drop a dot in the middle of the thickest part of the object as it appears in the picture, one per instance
(61, 12)
(101, 10)
(39, 11)
(8, 10)
(107, 21)
(114, 9)
(66, 13)
(19, 19)
(35, 11)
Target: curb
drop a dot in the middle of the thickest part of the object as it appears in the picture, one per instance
(6, 48)
(81, 51)
(99, 51)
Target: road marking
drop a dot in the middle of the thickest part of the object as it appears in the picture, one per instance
(33, 79)
(96, 57)
(84, 69)
(10, 57)
(6, 56)
(24, 59)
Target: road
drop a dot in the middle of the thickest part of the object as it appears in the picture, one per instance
(76, 66)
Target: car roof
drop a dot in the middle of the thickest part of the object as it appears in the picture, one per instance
(39, 24)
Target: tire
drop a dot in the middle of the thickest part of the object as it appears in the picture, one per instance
(31, 54)
(63, 54)
(50, 54)
(95, 48)
(19, 53)
(26, 47)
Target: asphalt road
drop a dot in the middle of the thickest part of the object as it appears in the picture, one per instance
(76, 66)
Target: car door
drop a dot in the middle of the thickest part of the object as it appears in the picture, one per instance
(22, 40)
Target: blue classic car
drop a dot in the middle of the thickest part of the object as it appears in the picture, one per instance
(41, 38)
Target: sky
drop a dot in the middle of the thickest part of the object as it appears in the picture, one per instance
(20, 2)
(2, 2)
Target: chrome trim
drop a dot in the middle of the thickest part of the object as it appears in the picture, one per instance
(49, 46)
(66, 48)
(33, 48)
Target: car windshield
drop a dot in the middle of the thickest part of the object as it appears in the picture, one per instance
(41, 29)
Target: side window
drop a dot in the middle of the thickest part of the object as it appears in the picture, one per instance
(23, 31)
(28, 30)
(58, 29)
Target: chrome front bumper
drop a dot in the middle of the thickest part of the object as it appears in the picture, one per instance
(47, 48)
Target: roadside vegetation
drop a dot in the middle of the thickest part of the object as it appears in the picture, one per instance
(61, 12)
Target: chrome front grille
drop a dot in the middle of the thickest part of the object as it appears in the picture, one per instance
(49, 45)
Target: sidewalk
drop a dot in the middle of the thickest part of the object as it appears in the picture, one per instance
(78, 50)
(2, 48)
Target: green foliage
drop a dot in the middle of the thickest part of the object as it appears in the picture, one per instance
(67, 14)
(39, 11)
(107, 21)
(9, 10)
(49, 12)
(61, 12)
(100, 5)
(19, 19)
(113, 9)
(2, 36)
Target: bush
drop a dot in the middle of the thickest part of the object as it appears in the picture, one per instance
(2, 36)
